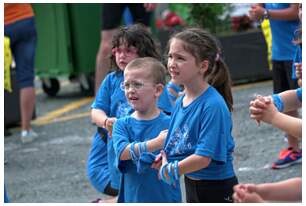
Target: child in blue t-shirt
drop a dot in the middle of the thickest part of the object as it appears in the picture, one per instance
(139, 137)
(110, 103)
(199, 143)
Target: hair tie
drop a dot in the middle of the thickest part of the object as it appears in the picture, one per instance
(217, 57)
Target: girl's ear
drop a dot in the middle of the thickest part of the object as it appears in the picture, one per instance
(204, 66)
(159, 90)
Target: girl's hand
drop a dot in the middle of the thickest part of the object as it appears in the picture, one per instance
(298, 70)
(157, 162)
(246, 193)
(258, 106)
(164, 161)
(298, 73)
(109, 125)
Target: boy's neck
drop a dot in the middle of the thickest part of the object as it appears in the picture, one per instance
(147, 115)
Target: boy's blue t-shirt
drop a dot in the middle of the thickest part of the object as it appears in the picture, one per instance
(282, 34)
(203, 128)
(144, 187)
(111, 99)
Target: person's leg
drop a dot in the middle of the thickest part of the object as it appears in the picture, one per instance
(111, 17)
(103, 61)
(23, 51)
(293, 142)
(27, 105)
(140, 15)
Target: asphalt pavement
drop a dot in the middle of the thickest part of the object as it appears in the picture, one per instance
(52, 168)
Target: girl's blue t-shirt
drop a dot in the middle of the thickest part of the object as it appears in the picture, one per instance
(111, 99)
(97, 164)
(144, 187)
(203, 128)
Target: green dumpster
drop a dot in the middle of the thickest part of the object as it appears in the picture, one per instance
(68, 39)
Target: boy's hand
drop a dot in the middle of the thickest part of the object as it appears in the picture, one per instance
(109, 125)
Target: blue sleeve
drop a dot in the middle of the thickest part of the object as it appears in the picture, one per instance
(278, 102)
(103, 100)
(212, 140)
(121, 141)
(299, 93)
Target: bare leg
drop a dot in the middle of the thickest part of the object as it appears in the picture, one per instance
(293, 141)
(27, 104)
(103, 58)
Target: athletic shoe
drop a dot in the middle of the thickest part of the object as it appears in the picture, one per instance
(288, 157)
(28, 136)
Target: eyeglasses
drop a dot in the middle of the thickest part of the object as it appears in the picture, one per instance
(127, 51)
(131, 85)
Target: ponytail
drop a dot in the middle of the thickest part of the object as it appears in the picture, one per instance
(220, 79)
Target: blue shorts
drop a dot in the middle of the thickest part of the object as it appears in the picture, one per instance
(23, 38)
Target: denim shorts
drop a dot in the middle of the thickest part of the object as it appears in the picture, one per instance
(23, 38)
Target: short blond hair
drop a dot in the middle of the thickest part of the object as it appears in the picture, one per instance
(156, 69)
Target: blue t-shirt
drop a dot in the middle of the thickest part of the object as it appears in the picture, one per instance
(297, 59)
(111, 99)
(299, 93)
(144, 187)
(282, 34)
(97, 165)
(203, 128)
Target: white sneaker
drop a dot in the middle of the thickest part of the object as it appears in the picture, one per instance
(28, 136)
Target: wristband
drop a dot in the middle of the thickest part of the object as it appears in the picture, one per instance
(132, 152)
(175, 170)
(172, 170)
(170, 173)
(278, 102)
(105, 122)
(162, 174)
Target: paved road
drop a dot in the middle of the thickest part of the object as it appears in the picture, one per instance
(52, 168)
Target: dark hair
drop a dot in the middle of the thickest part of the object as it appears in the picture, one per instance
(204, 46)
(156, 69)
(138, 36)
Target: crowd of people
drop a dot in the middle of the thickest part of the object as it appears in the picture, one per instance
(159, 119)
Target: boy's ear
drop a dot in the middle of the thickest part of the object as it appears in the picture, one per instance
(159, 89)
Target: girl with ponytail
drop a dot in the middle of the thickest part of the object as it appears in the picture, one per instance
(199, 142)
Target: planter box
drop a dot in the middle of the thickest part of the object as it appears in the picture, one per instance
(245, 54)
